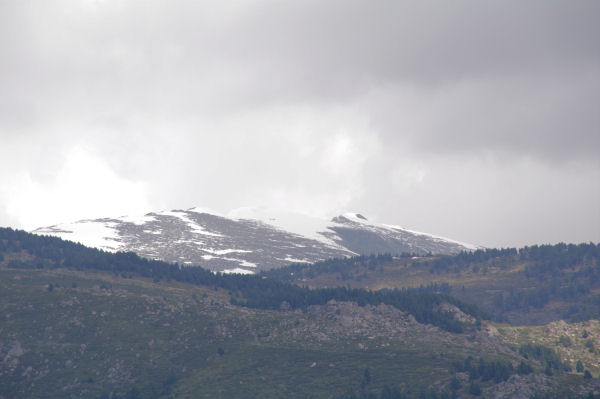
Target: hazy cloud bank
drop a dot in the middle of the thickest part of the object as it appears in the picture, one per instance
(474, 120)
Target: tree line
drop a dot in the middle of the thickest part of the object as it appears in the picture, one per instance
(298, 271)
(255, 291)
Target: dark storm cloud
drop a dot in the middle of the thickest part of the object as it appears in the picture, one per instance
(507, 76)
(192, 55)
(419, 42)
(361, 104)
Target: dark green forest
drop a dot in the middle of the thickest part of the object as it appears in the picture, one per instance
(563, 272)
(335, 265)
(255, 291)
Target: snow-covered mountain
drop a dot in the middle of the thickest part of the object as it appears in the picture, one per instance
(248, 239)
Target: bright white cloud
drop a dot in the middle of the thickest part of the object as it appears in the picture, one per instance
(84, 187)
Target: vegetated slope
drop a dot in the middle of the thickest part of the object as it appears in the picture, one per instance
(532, 285)
(576, 344)
(79, 332)
(248, 239)
(28, 251)
(70, 334)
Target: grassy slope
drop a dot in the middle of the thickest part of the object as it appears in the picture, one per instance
(67, 333)
(95, 333)
(140, 331)
(570, 350)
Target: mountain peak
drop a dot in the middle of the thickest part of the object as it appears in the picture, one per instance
(248, 239)
(350, 217)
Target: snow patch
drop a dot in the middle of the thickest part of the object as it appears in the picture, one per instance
(356, 217)
(237, 270)
(137, 220)
(195, 227)
(294, 260)
(182, 241)
(438, 238)
(225, 251)
(302, 225)
(247, 264)
(242, 262)
(365, 224)
(90, 233)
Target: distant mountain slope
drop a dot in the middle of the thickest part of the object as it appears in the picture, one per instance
(248, 239)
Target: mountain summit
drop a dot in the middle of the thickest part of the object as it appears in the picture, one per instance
(248, 239)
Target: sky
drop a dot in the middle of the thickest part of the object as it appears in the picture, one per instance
(475, 120)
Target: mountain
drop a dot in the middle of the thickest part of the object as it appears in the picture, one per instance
(248, 239)
(82, 323)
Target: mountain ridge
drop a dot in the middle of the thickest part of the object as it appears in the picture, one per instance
(248, 240)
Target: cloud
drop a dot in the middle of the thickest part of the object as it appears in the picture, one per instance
(84, 187)
(545, 117)
(470, 76)
(319, 106)
(488, 201)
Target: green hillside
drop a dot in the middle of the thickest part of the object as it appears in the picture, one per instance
(532, 285)
(80, 323)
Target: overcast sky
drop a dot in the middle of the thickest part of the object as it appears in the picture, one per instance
(477, 120)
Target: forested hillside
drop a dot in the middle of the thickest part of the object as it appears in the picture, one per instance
(81, 323)
(24, 250)
(534, 284)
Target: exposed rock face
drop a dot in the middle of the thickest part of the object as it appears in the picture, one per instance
(348, 318)
(248, 241)
(520, 387)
